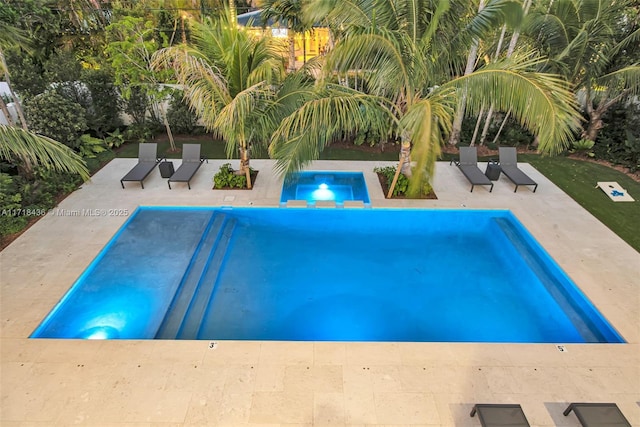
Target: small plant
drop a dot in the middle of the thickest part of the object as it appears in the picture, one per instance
(90, 146)
(583, 145)
(227, 178)
(11, 220)
(115, 139)
(388, 172)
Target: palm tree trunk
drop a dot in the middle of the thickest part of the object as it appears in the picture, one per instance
(487, 123)
(6, 113)
(512, 47)
(172, 143)
(404, 166)
(244, 164)
(475, 130)
(304, 47)
(495, 140)
(471, 60)
(292, 49)
(16, 101)
(595, 115)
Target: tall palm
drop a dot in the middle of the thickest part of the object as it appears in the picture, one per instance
(228, 78)
(19, 145)
(288, 12)
(595, 45)
(400, 49)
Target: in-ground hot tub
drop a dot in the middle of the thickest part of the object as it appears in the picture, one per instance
(314, 186)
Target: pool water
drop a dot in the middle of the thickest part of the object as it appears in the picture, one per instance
(326, 275)
(314, 186)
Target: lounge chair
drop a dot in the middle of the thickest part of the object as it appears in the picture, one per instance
(509, 167)
(191, 162)
(468, 164)
(500, 415)
(598, 414)
(147, 160)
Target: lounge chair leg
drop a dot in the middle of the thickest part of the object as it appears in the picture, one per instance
(569, 409)
(189, 185)
(535, 188)
(142, 184)
(169, 182)
(473, 411)
(472, 189)
(122, 183)
(491, 189)
(515, 189)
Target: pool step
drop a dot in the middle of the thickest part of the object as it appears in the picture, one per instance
(200, 301)
(188, 286)
(555, 282)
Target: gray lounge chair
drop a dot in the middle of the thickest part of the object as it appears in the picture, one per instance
(191, 162)
(509, 167)
(147, 160)
(493, 415)
(598, 414)
(468, 164)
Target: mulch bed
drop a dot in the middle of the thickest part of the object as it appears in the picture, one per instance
(385, 190)
(254, 175)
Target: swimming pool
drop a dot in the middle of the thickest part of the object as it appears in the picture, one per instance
(326, 275)
(314, 186)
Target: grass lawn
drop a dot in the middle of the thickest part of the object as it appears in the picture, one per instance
(575, 177)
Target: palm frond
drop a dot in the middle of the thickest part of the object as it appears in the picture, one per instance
(17, 143)
(303, 135)
(542, 103)
(427, 122)
(626, 79)
(232, 122)
(382, 55)
(204, 88)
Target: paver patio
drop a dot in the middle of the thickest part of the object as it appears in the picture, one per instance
(165, 383)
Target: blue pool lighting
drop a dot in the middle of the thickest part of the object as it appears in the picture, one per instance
(315, 186)
(419, 275)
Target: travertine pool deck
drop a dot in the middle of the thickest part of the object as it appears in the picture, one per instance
(167, 383)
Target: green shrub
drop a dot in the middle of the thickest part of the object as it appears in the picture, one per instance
(584, 146)
(181, 119)
(90, 146)
(11, 218)
(402, 185)
(619, 140)
(114, 139)
(48, 186)
(53, 115)
(227, 178)
(104, 114)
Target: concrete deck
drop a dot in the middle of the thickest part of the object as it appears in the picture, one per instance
(167, 383)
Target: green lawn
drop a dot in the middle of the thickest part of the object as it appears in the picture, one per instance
(576, 178)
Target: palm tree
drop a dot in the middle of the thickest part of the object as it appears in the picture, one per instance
(288, 12)
(19, 145)
(229, 77)
(401, 50)
(11, 36)
(595, 45)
